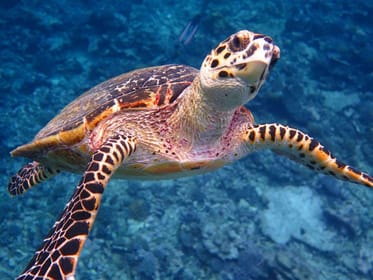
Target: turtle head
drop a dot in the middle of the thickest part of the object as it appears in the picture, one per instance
(232, 74)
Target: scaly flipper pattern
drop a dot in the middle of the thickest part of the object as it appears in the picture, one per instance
(28, 176)
(58, 256)
(304, 149)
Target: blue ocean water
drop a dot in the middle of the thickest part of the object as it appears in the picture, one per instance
(264, 217)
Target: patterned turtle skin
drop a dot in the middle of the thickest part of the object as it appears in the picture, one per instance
(160, 122)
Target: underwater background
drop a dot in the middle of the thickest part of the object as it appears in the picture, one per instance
(263, 217)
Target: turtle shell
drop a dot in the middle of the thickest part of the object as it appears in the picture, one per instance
(141, 89)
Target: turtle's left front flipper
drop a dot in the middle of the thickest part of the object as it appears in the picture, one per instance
(302, 148)
(58, 256)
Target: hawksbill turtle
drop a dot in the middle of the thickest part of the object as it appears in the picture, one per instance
(160, 122)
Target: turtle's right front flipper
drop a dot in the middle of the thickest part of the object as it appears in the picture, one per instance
(28, 176)
(58, 256)
(298, 146)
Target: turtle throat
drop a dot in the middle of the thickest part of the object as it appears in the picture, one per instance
(199, 118)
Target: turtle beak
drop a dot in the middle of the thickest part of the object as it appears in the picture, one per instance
(253, 72)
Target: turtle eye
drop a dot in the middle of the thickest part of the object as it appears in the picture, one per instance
(223, 74)
(237, 43)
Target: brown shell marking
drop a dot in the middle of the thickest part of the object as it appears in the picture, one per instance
(146, 88)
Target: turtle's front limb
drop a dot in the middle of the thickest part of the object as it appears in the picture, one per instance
(28, 176)
(57, 258)
(304, 149)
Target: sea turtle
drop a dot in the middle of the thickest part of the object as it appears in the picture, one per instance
(160, 122)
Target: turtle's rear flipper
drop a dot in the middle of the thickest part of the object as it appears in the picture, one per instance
(29, 175)
(57, 258)
(300, 147)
